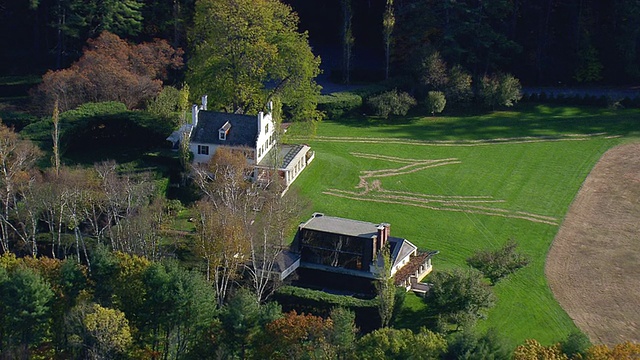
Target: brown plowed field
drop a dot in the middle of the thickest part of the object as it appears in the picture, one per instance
(593, 266)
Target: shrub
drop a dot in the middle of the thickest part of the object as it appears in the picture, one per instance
(575, 343)
(459, 297)
(166, 104)
(392, 102)
(499, 263)
(459, 87)
(338, 104)
(436, 102)
(499, 90)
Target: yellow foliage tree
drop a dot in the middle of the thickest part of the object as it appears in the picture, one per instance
(533, 350)
(624, 351)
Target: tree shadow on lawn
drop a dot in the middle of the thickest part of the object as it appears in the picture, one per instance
(415, 319)
(529, 120)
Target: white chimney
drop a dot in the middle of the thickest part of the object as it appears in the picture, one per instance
(270, 107)
(194, 115)
(260, 118)
(204, 102)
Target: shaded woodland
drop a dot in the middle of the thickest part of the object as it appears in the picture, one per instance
(550, 42)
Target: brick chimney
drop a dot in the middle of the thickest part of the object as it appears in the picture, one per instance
(383, 234)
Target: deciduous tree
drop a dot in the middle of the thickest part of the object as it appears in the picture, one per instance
(17, 157)
(533, 350)
(109, 330)
(458, 89)
(222, 241)
(390, 343)
(247, 52)
(388, 24)
(110, 69)
(296, 336)
(499, 263)
(347, 39)
(385, 287)
(459, 297)
(499, 90)
(625, 350)
(433, 71)
(268, 236)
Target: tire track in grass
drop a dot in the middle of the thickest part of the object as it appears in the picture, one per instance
(372, 191)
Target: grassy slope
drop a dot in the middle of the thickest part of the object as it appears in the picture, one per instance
(540, 178)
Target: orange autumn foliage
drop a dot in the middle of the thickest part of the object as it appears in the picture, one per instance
(110, 69)
(296, 335)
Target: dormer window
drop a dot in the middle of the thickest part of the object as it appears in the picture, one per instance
(223, 131)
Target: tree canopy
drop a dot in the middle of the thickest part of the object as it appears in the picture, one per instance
(110, 69)
(248, 51)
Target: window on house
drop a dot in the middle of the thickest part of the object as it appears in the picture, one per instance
(266, 128)
(203, 149)
(222, 135)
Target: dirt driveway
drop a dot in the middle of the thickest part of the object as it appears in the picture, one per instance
(593, 266)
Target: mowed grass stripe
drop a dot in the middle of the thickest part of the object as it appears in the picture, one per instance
(538, 177)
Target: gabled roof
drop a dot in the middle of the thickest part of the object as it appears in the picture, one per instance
(243, 132)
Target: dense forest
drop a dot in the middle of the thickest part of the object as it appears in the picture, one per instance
(550, 42)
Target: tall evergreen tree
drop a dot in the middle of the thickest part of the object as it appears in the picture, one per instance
(24, 312)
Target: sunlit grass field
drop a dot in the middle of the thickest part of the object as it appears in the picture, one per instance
(443, 186)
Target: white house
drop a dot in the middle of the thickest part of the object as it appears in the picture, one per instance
(255, 135)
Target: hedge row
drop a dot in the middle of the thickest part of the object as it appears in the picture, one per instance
(320, 303)
(338, 104)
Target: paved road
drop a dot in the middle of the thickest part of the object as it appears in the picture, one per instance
(619, 93)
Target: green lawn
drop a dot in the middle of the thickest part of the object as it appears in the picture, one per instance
(483, 194)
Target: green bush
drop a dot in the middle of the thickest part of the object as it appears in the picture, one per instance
(392, 102)
(499, 90)
(499, 263)
(320, 297)
(436, 102)
(575, 343)
(336, 105)
(166, 105)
